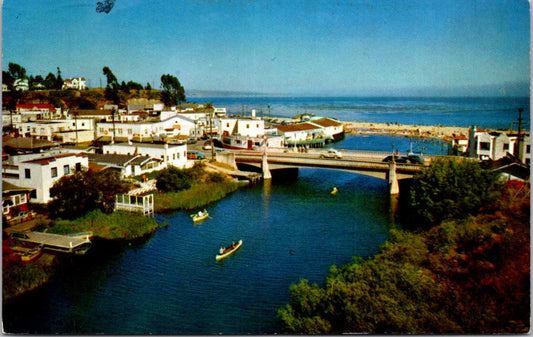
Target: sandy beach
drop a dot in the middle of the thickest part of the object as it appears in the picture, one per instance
(428, 131)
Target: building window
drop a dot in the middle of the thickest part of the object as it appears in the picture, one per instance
(78, 166)
(506, 147)
(130, 131)
(66, 168)
(119, 131)
(54, 172)
(227, 125)
(27, 173)
(247, 126)
(528, 149)
(484, 146)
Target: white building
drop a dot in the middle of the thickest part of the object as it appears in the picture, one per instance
(495, 145)
(38, 111)
(126, 165)
(21, 85)
(170, 155)
(42, 173)
(77, 83)
(147, 130)
(332, 128)
(243, 127)
(60, 130)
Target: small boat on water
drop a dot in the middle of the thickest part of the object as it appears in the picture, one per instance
(334, 191)
(225, 252)
(201, 215)
(32, 254)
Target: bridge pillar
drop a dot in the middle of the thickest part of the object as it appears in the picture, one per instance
(394, 187)
(264, 166)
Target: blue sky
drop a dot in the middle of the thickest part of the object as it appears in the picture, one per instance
(292, 47)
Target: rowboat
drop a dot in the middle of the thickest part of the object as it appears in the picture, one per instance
(201, 215)
(225, 252)
(32, 254)
(334, 191)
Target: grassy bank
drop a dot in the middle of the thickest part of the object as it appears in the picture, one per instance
(198, 195)
(20, 278)
(117, 225)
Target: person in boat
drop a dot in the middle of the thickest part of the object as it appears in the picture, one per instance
(221, 251)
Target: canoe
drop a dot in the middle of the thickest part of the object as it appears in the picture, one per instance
(201, 215)
(228, 251)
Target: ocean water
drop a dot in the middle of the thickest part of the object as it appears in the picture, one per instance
(484, 112)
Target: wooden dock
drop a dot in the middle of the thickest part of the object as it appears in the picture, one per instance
(56, 242)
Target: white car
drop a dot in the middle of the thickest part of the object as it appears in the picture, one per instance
(332, 153)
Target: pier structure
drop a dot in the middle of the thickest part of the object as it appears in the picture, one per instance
(56, 242)
(135, 203)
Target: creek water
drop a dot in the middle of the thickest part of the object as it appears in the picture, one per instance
(291, 229)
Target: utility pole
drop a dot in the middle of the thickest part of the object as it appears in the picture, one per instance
(211, 133)
(113, 120)
(519, 138)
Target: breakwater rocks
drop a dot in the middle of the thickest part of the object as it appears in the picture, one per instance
(446, 133)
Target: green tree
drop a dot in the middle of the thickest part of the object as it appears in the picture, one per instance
(112, 88)
(50, 80)
(17, 72)
(173, 92)
(75, 195)
(453, 189)
(148, 87)
(59, 80)
(173, 179)
(8, 79)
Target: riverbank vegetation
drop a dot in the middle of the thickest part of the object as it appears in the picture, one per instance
(117, 225)
(468, 273)
(187, 189)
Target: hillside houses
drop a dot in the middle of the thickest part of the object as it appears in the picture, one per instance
(76, 83)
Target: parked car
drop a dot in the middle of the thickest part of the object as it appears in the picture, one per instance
(191, 154)
(207, 145)
(416, 158)
(332, 153)
(398, 159)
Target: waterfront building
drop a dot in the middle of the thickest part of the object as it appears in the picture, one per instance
(247, 127)
(170, 155)
(41, 172)
(459, 145)
(126, 165)
(494, 145)
(306, 133)
(76, 83)
(332, 128)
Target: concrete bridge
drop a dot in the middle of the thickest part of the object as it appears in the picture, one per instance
(362, 162)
